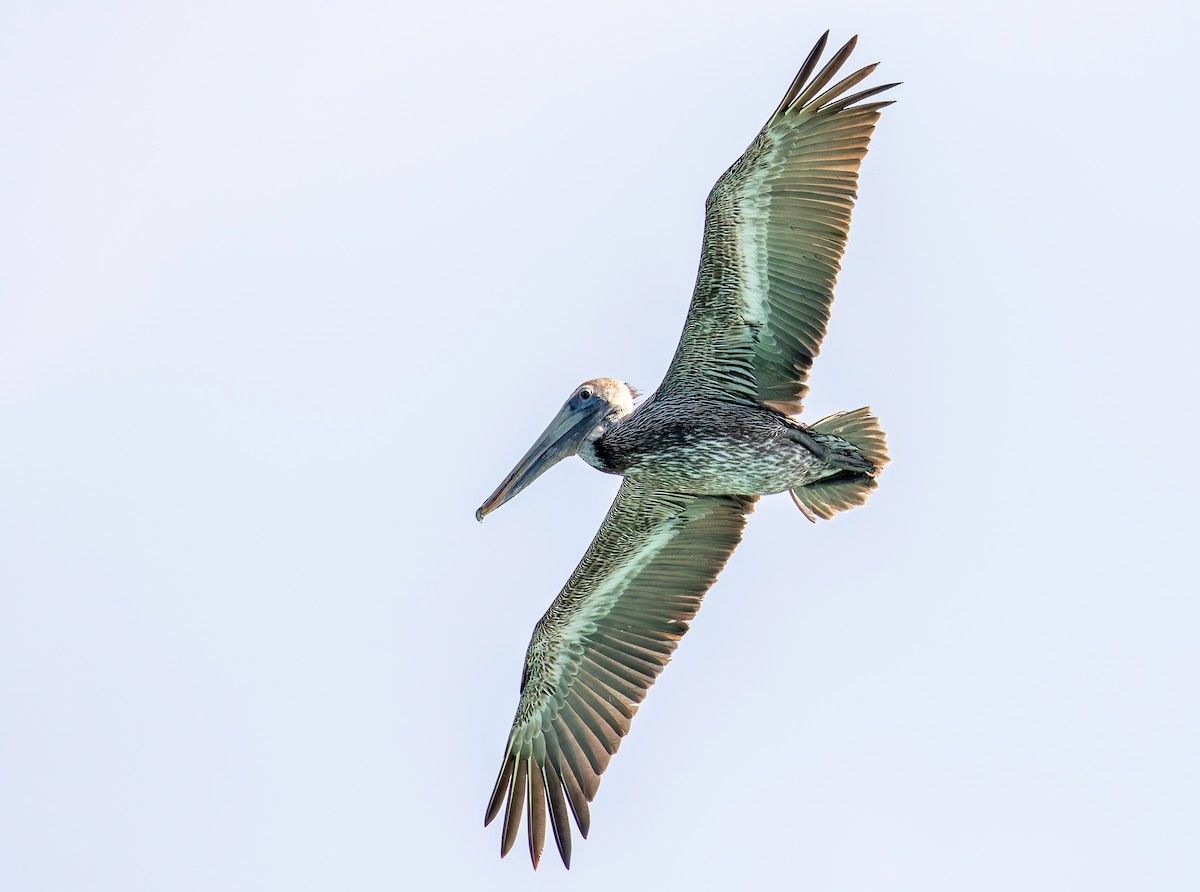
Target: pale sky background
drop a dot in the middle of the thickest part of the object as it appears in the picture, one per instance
(286, 289)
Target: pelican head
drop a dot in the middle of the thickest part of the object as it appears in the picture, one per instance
(585, 415)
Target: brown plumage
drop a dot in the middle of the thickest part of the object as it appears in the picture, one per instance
(697, 453)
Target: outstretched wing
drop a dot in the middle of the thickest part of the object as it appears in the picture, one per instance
(600, 646)
(775, 229)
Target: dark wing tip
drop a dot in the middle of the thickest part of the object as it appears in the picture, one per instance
(560, 824)
(805, 90)
(806, 68)
(537, 814)
(848, 102)
(493, 807)
(537, 790)
(515, 805)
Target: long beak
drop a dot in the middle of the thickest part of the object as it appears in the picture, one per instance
(562, 438)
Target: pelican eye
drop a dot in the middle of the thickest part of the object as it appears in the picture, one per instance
(585, 394)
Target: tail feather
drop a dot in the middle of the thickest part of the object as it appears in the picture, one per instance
(861, 430)
(850, 486)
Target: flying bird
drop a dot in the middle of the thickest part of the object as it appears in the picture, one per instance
(696, 454)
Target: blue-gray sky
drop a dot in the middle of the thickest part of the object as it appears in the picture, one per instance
(285, 289)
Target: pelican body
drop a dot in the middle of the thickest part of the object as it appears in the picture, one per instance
(695, 456)
(698, 446)
(710, 447)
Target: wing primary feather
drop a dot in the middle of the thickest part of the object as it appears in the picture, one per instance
(826, 74)
(537, 813)
(500, 789)
(560, 823)
(575, 778)
(578, 801)
(842, 104)
(843, 85)
(810, 62)
(516, 804)
(567, 761)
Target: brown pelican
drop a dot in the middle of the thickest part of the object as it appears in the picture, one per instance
(698, 453)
